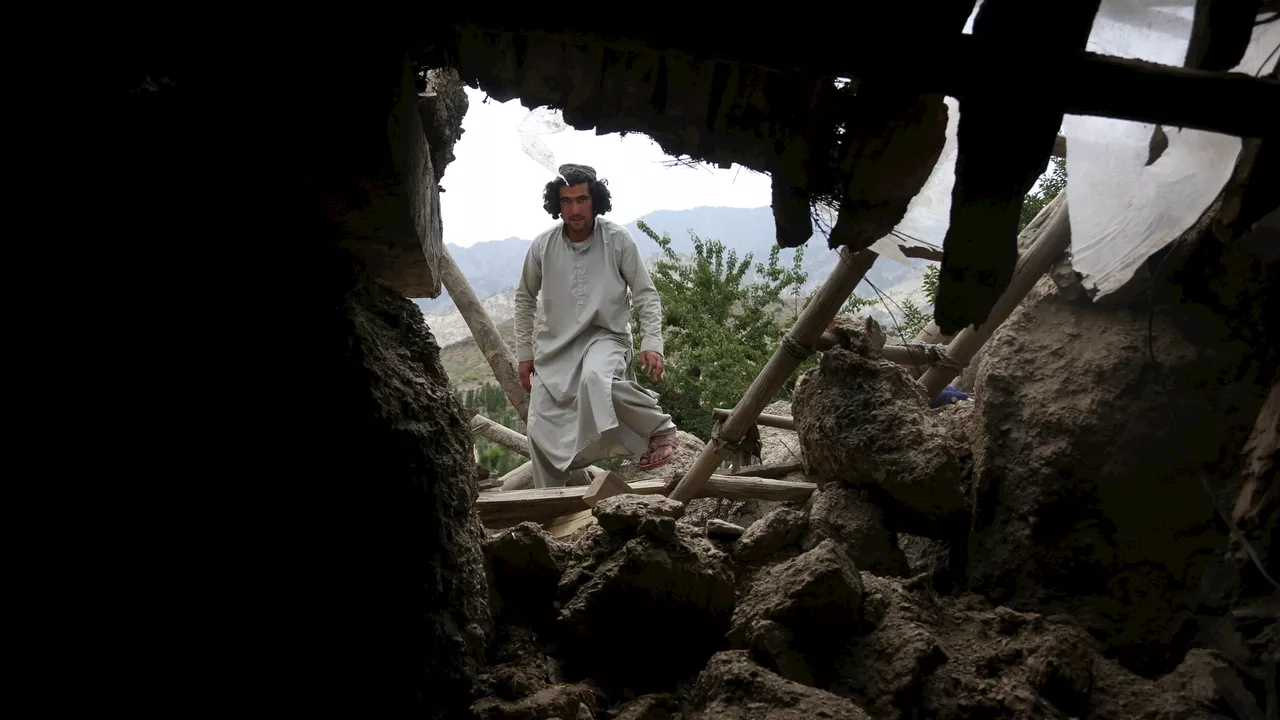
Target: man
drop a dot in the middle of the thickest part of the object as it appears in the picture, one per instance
(584, 402)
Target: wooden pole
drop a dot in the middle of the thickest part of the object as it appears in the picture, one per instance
(495, 349)
(793, 349)
(781, 422)
(1054, 238)
(501, 434)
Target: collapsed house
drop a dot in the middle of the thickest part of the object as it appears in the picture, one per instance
(1091, 537)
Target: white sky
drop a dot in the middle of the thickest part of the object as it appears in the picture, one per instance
(494, 189)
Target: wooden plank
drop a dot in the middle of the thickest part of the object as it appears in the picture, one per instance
(492, 346)
(505, 509)
(1054, 239)
(781, 422)
(771, 470)
(813, 320)
(500, 434)
(736, 487)
(545, 504)
(566, 525)
(605, 485)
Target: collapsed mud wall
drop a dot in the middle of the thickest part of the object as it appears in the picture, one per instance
(1108, 453)
(420, 602)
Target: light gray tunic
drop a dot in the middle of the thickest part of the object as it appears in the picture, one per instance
(579, 295)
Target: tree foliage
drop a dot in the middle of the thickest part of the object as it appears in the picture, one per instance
(1048, 189)
(719, 329)
(491, 402)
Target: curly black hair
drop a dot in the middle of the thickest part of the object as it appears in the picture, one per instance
(601, 200)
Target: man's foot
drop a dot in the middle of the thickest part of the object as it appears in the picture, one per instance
(661, 449)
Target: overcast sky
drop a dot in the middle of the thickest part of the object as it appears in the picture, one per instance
(493, 189)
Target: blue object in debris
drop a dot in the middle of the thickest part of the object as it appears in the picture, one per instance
(947, 397)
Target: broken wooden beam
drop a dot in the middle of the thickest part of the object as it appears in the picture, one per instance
(740, 487)
(500, 434)
(911, 354)
(505, 509)
(565, 525)
(781, 422)
(495, 350)
(1053, 240)
(795, 347)
(771, 470)
(516, 506)
(1088, 83)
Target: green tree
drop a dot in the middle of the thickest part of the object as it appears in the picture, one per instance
(719, 329)
(1048, 189)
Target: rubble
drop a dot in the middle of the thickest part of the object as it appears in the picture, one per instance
(770, 534)
(841, 513)
(795, 612)
(675, 594)
(864, 422)
(523, 565)
(733, 687)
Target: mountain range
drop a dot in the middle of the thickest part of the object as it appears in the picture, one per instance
(494, 266)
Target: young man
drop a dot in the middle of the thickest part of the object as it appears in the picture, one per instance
(584, 402)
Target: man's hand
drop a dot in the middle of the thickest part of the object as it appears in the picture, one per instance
(652, 362)
(526, 371)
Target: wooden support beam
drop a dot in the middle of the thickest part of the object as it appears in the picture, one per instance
(771, 470)
(518, 479)
(1054, 239)
(781, 422)
(794, 348)
(492, 346)
(1088, 83)
(911, 354)
(1059, 147)
(500, 434)
(505, 509)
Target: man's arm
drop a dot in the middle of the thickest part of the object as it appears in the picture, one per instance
(527, 302)
(645, 296)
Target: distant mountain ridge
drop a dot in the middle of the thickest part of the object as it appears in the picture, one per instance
(494, 266)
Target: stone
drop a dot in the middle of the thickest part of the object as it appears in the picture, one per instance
(815, 596)
(769, 534)
(839, 513)
(570, 702)
(724, 530)
(625, 605)
(524, 566)
(865, 422)
(624, 514)
(657, 706)
(734, 687)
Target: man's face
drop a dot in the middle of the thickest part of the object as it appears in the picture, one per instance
(575, 207)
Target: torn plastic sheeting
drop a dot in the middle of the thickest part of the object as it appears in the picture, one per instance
(1121, 209)
(541, 121)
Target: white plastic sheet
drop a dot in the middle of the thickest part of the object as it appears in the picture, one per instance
(1121, 209)
(541, 121)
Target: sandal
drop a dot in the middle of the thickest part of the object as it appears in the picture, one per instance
(657, 443)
